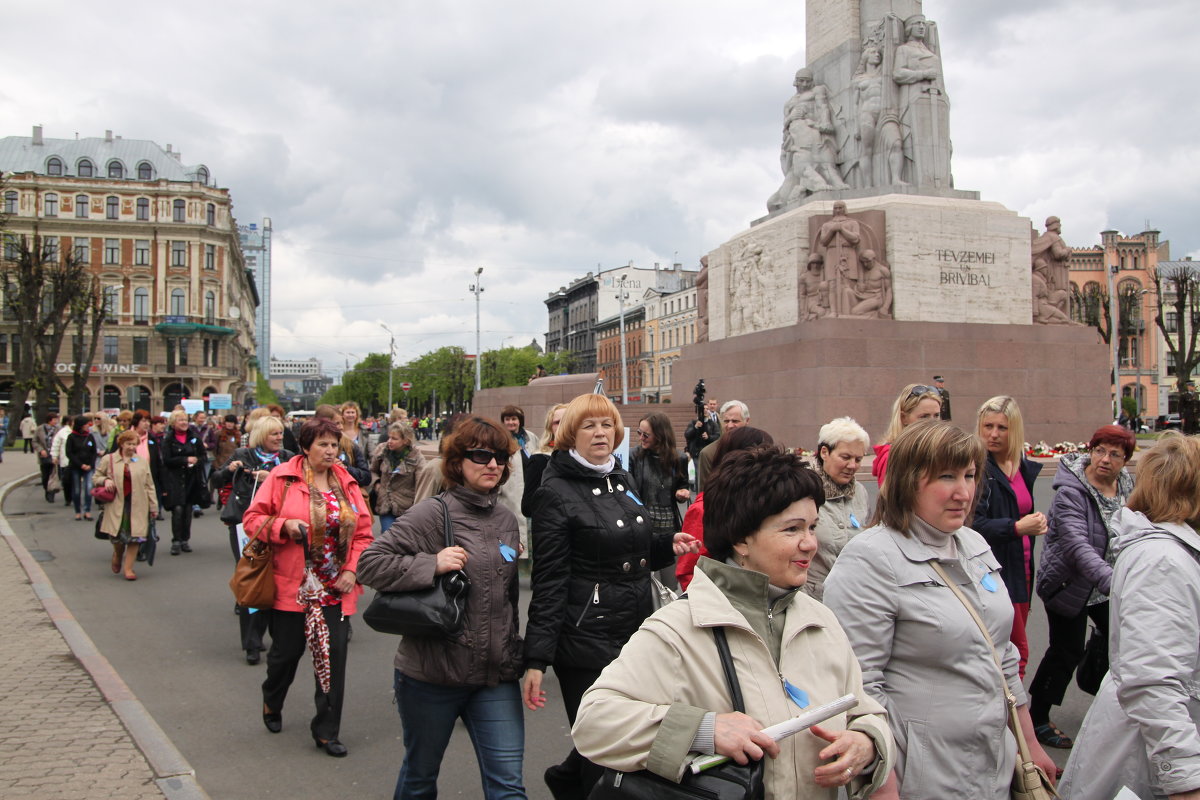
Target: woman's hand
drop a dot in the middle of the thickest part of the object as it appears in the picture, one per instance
(741, 738)
(683, 495)
(685, 543)
(345, 581)
(450, 559)
(296, 529)
(531, 690)
(850, 751)
(191, 461)
(261, 475)
(1036, 752)
(1032, 524)
(108, 484)
(85, 467)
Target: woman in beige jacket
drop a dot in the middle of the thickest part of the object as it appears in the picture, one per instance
(127, 518)
(665, 699)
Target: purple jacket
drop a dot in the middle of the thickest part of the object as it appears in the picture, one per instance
(1073, 560)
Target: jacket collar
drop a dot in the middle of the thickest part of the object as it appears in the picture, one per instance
(475, 499)
(294, 468)
(562, 465)
(1028, 469)
(711, 608)
(915, 550)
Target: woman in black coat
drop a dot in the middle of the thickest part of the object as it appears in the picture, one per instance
(1005, 515)
(660, 477)
(80, 451)
(593, 551)
(182, 473)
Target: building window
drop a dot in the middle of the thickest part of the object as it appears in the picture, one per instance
(143, 208)
(210, 214)
(12, 246)
(10, 202)
(202, 176)
(141, 307)
(82, 254)
(112, 251)
(112, 208)
(178, 254)
(50, 205)
(210, 308)
(215, 346)
(178, 303)
(116, 169)
(86, 169)
(54, 166)
(170, 355)
(112, 303)
(81, 206)
(50, 249)
(210, 256)
(145, 171)
(16, 350)
(183, 352)
(110, 349)
(179, 211)
(141, 349)
(3, 348)
(141, 252)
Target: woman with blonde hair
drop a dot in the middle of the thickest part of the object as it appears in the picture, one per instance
(182, 472)
(1141, 731)
(1005, 515)
(539, 460)
(594, 549)
(351, 422)
(394, 469)
(841, 445)
(916, 403)
(923, 656)
(127, 518)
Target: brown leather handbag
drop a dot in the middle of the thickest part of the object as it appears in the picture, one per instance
(253, 581)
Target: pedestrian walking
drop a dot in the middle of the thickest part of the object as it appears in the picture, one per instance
(42, 446)
(128, 519)
(80, 452)
(182, 472)
(394, 467)
(26, 427)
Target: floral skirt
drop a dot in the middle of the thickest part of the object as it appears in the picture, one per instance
(125, 532)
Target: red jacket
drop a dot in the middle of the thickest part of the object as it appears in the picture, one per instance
(288, 559)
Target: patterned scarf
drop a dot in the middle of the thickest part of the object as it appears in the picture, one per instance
(268, 460)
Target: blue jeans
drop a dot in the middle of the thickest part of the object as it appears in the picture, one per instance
(494, 719)
(81, 489)
(385, 522)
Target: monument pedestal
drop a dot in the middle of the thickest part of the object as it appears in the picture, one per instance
(798, 377)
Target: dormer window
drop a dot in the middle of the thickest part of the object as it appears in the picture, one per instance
(202, 175)
(54, 166)
(86, 169)
(116, 169)
(145, 171)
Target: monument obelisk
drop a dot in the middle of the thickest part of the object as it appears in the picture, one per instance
(871, 270)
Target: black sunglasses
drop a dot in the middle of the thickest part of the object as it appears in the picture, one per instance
(916, 390)
(484, 457)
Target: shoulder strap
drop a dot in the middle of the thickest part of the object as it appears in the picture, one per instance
(735, 689)
(447, 527)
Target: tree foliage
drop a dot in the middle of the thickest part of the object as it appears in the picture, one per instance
(513, 366)
(1092, 308)
(263, 393)
(1177, 293)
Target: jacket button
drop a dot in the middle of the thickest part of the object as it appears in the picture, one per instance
(626, 567)
(620, 523)
(596, 491)
(642, 563)
(639, 519)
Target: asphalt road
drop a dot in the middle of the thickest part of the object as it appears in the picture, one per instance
(173, 636)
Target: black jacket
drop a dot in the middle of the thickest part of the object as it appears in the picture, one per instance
(244, 484)
(80, 450)
(996, 518)
(654, 482)
(593, 552)
(695, 441)
(181, 484)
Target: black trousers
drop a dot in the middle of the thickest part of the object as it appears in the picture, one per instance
(575, 771)
(181, 523)
(1067, 638)
(287, 648)
(253, 622)
(47, 471)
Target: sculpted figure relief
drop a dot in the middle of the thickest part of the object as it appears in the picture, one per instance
(702, 301)
(814, 290)
(923, 106)
(751, 275)
(1049, 304)
(880, 158)
(1050, 250)
(838, 242)
(871, 295)
(808, 155)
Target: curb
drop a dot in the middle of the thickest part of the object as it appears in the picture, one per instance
(174, 776)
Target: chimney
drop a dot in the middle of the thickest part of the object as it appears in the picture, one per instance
(37, 135)
(108, 136)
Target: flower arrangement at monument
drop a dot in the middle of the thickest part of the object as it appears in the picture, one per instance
(1043, 450)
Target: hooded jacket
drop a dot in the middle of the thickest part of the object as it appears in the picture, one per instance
(1073, 559)
(1143, 729)
(593, 552)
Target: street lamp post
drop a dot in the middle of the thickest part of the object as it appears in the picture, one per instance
(622, 295)
(477, 288)
(391, 360)
(1114, 339)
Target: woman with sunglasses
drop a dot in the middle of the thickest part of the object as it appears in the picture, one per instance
(473, 676)
(660, 477)
(916, 403)
(594, 547)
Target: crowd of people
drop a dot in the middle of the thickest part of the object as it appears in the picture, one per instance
(916, 602)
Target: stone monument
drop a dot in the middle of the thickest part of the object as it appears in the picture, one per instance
(869, 249)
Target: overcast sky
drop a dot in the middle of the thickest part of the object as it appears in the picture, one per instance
(397, 146)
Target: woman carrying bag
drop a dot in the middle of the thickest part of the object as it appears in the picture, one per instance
(474, 674)
(127, 519)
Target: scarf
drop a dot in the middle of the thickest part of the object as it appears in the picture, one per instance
(600, 469)
(268, 460)
(832, 490)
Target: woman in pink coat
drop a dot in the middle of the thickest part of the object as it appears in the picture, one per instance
(313, 515)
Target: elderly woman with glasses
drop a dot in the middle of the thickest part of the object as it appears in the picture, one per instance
(1076, 571)
(916, 403)
(594, 548)
(842, 444)
(473, 676)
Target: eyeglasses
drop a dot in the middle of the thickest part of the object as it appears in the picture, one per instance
(918, 389)
(644, 435)
(485, 457)
(1099, 452)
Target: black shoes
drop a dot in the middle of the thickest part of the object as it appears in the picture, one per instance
(185, 547)
(174, 548)
(196, 513)
(253, 657)
(333, 747)
(273, 721)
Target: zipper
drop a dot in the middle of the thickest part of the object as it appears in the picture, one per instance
(595, 602)
(606, 480)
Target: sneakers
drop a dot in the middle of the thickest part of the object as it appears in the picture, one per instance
(185, 547)
(175, 548)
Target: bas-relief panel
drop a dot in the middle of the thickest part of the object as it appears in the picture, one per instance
(752, 282)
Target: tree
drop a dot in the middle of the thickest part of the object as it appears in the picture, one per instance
(1177, 290)
(1093, 309)
(39, 289)
(87, 312)
(442, 379)
(512, 366)
(263, 393)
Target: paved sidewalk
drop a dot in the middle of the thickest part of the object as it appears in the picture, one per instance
(72, 727)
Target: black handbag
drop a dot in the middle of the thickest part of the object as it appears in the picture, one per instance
(727, 781)
(1094, 666)
(438, 611)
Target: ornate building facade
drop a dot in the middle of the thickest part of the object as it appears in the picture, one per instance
(161, 237)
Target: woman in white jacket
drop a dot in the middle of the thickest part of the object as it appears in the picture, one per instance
(1143, 730)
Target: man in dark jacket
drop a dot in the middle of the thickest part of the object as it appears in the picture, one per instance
(701, 433)
(940, 385)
